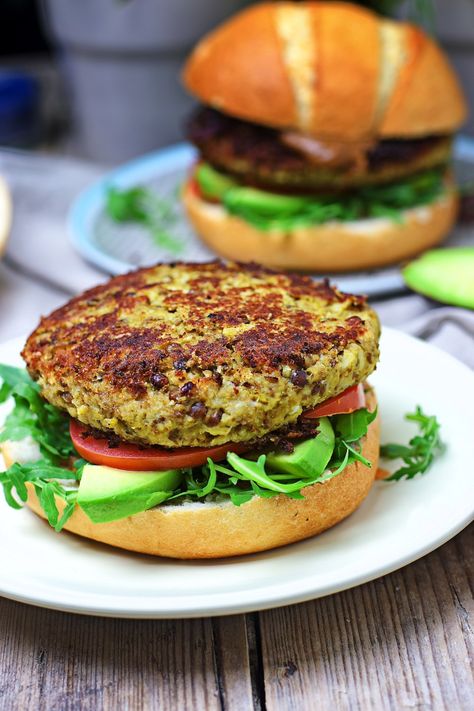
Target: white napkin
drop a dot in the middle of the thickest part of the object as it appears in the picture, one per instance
(43, 189)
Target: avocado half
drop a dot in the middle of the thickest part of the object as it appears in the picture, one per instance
(446, 275)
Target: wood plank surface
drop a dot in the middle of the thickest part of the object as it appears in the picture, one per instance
(401, 642)
(53, 661)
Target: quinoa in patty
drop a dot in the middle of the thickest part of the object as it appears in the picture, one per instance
(201, 354)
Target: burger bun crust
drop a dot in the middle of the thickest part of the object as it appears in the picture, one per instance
(353, 74)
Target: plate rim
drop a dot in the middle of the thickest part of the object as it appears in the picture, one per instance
(120, 607)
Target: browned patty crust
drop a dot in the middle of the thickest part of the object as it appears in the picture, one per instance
(258, 155)
(201, 354)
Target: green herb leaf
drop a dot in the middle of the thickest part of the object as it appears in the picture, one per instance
(144, 207)
(349, 429)
(12, 377)
(353, 426)
(48, 481)
(255, 472)
(422, 449)
(33, 416)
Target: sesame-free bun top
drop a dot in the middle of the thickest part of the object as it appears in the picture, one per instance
(329, 69)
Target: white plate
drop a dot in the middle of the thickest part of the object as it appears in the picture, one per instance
(117, 249)
(398, 522)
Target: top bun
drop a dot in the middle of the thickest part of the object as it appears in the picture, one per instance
(329, 69)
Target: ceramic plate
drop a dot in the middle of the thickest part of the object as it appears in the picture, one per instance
(397, 523)
(117, 249)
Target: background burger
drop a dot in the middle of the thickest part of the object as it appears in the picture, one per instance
(195, 411)
(324, 139)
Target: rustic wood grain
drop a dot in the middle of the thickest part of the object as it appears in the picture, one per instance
(53, 661)
(234, 647)
(404, 641)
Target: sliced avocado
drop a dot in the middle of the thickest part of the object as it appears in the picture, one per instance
(213, 184)
(107, 494)
(239, 199)
(309, 458)
(446, 275)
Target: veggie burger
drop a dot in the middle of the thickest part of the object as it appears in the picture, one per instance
(324, 137)
(196, 411)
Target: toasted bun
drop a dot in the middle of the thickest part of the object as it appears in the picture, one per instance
(329, 247)
(214, 530)
(5, 214)
(329, 69)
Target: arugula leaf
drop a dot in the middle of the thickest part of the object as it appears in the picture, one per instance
(354, 425)
(33, 416)
(350, 429)
(421, 450)
(144, 207)
(256, 474)
(236, 495)
(12, 377)
(48, 481)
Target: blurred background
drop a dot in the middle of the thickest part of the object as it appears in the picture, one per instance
(99, 79)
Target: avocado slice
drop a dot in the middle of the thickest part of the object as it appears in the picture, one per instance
(309, 458)
(213, 184)
(107, 494)
(239, 199)
(446, 275)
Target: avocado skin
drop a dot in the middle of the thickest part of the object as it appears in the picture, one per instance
(107, 494)
(446, 275)
(309, 458)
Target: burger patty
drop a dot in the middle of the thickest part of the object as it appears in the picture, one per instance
(261, 156)
(201, 354)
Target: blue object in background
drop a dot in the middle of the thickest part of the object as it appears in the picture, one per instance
(20, 122)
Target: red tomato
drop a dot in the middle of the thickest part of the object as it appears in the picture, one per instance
(193, 186)
(348, 401)
(132, 457)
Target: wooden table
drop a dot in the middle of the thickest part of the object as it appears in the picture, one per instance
(403, 641)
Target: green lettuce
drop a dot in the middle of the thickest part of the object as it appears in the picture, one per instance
(33, 417)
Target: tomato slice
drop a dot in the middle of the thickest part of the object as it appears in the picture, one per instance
(193, 186)
(131, 457)
(348, 401)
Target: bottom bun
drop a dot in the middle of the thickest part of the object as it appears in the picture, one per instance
(330, 247)
(214, 530)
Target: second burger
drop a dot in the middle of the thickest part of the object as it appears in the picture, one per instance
(324, 139)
